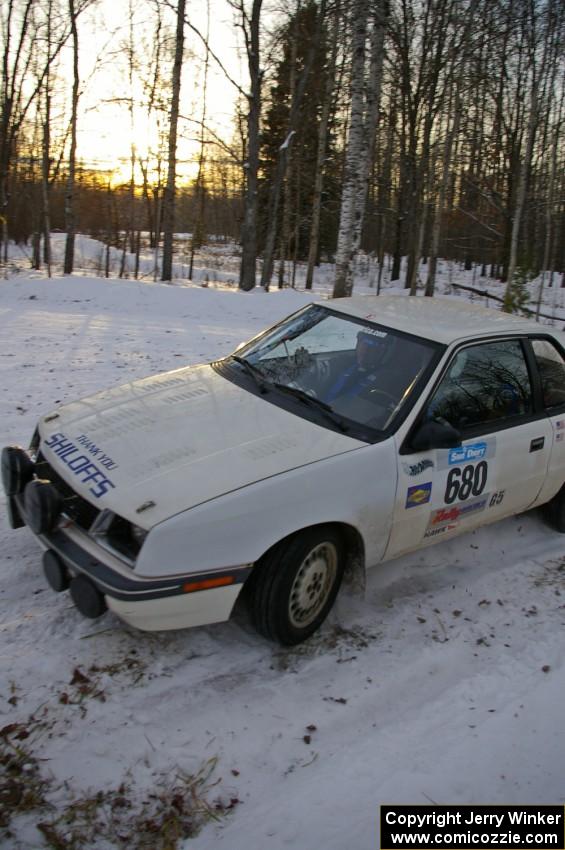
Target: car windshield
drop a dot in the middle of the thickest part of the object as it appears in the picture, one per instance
(356, 371)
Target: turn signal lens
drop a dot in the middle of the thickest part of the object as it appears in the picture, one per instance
(207, 583)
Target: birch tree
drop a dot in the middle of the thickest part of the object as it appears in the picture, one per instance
(539, 32)
(354, 154)
(323, 129)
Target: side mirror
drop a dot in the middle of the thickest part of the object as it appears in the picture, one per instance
(437, 434)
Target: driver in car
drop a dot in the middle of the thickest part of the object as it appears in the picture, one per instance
(372, 353)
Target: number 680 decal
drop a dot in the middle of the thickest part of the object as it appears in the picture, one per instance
(466, 481)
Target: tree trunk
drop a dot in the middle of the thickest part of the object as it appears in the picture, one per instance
(249, 228)
(70, 189)
(169, 197)
(343, 284)
(450, 134)
(200, 196)
(373, 101)
(550, 201)
(284, 153)
(521, 195)
(321, 153)
(45, 191)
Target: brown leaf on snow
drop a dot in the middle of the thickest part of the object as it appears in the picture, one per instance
(9, 729)
(78, 677)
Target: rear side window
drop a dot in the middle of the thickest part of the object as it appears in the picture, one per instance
(484, 384)
(551, 368)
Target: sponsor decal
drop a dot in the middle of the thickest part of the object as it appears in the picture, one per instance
(413, 469)
(444, 516)
(442, 529)
(496, 498)
(418, 495)
(560, 437)
(375, 332)
(560, 424)
(465, 482)
(80, 465)
(467, 454)
(100, 456)
(470, 453)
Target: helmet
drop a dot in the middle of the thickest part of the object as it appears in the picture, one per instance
(371, 348)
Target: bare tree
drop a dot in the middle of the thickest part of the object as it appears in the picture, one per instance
(169, 196)
(200, 190)
(250, 26)
(70, 224)
(298, 91)
(22, 28)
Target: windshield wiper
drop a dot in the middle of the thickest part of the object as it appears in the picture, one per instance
(314, 402)
(252, 370)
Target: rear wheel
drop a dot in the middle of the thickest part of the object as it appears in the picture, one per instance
(294, 586)
(555, 511)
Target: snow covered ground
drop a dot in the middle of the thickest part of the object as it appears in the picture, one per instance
(443, 682)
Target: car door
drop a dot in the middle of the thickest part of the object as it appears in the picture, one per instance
(550, 364)
(486, 393)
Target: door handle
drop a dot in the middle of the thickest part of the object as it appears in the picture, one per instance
(537, 444)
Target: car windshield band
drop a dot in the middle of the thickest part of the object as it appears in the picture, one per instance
(360, 376)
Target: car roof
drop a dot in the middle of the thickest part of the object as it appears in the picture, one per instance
(442, 319)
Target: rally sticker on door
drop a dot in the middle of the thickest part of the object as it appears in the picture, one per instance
(465, 481)
(453, 513)
(469, 453)
(420, 494)
(413, 469)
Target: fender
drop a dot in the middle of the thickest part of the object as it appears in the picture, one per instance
(239, 527)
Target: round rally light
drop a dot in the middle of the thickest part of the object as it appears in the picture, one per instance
(55, 571)
(42, 505)
(86, 596)
(17, 469)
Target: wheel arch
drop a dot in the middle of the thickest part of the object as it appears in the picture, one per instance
(354, 548)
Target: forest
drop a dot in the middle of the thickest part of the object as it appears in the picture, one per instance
(410, 130)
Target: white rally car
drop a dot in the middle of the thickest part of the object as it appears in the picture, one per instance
(351, 432)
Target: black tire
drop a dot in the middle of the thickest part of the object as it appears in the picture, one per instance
(555, 511)
(294, 586)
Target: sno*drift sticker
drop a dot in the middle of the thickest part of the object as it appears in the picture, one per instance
(468, 453)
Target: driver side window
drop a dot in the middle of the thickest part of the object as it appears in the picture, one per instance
(484, 384)
(551, 366)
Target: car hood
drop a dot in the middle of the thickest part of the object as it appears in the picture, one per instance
(158, 446)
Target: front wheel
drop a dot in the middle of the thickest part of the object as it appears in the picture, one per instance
(295, 585)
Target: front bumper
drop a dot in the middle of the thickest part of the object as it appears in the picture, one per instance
(149, 604)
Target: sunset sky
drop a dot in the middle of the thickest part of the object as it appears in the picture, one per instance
(104, 126)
